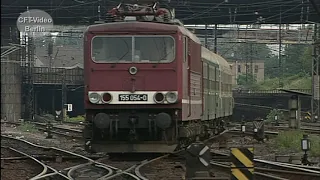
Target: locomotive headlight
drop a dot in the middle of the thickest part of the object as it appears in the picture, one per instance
(158, 97)
(171, 97)
(94, 97)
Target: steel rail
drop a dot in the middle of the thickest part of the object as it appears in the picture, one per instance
(292, 169)
(119, 174)
(137, 169)
(300, 166)
(74, 154)
(55, 173)
(227, 168)
(39, 146)
(52, 131)
(218, 135)
(69, 174)
(285, 166)
(62, 134)
(45, 169)
(77, 167)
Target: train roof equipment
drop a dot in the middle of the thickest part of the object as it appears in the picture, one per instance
(147, 11)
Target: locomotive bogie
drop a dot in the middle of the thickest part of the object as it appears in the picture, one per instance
(134, 126)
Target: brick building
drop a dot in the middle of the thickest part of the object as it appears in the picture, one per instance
(241, 67)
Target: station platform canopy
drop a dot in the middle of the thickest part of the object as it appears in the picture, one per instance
(71, 12)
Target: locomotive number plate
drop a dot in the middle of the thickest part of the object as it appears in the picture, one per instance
(133, 97)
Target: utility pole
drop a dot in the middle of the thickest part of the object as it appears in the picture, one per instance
(215, 38)
(63, 95)
(251, 62)
(50, 51)
(280, 50)
(206, 37)
(247, 58)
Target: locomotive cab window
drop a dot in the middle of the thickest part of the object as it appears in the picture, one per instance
(107, 49)
(137, 49)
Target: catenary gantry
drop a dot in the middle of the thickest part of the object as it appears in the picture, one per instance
(189, 11)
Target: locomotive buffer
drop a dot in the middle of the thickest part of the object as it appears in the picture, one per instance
(198, 161)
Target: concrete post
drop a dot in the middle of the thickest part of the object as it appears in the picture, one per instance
(298, 120)
(293, 111)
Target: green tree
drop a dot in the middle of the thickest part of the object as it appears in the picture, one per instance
(306, 61)
(271, 66)
(294, 60)
(244, 51)
(291, 59)
(246, 80)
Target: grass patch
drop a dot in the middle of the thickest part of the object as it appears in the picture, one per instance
(27, 127)
(315, 145)
(298, 81)
(75, 119)
(290, 141)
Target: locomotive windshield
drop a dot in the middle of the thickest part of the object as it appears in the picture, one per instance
(133, 49)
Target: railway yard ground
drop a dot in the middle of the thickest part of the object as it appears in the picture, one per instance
(26, 152)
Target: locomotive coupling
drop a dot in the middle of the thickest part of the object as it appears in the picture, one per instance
(133, 120)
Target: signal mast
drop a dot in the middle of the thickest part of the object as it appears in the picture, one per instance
(146, 10)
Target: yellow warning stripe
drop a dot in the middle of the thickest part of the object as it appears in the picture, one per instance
(242, 158)
(237, 173)
(251, 149)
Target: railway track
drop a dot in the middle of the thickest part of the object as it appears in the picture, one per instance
(62, 131)
(56, 163)
(70, 132)
(273, 130)
(270, 170)
(162, 167)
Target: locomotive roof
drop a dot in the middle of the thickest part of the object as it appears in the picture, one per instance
(141, 26)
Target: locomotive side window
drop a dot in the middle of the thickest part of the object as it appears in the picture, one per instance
(137, 49)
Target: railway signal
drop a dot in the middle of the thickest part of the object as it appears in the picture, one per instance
(198, 160)
(58, 115)
(277, 120)
(305, 146)
(258, 129)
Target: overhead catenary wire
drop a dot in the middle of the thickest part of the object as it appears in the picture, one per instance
(243, 12)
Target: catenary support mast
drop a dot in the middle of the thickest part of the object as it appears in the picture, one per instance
(315, 105)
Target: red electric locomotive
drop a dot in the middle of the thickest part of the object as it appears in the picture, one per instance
(149, 85)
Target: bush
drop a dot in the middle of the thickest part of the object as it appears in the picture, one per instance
(273, 113)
